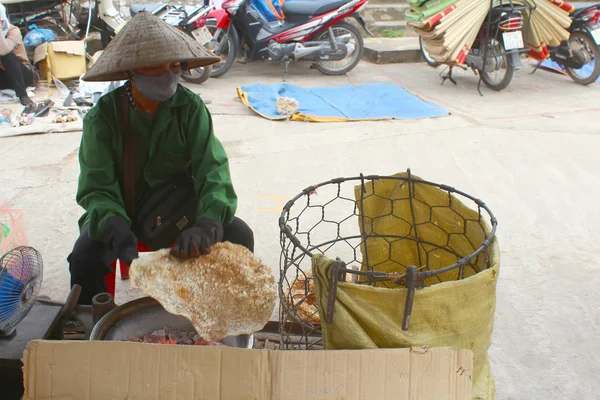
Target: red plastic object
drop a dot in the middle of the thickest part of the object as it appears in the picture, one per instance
(111, 278)
(223, 18)
(12, 228)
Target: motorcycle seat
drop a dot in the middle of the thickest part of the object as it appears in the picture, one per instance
(193, 10)
(311, 7)
(137, 8)
(582, 9)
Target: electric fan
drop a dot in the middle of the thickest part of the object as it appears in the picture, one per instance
(20, 282)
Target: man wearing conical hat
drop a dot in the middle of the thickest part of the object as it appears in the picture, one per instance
(169, 139)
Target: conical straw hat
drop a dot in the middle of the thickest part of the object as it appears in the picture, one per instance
(147, 41)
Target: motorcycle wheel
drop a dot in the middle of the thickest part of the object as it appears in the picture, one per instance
(509, 69)
(197, 75)
(430, 61)
(228, 49)
(328, 67)
(593, 51)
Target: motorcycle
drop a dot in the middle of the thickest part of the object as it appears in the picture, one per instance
(186, 19)
(581, 49)
(55, 15)
(106, 19)
(311, 30)
(496, 49)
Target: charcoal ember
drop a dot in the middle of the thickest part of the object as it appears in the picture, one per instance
(187, 340)
(154, 338)
(174, 336)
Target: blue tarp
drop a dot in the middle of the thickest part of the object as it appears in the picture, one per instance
(344, 103)
(263, 8)
(585, 71)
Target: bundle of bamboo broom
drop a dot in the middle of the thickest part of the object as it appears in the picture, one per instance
(449, 27)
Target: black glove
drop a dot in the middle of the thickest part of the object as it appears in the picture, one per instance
(120, 240)
(197, 240)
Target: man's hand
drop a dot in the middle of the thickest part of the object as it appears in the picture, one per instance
(197, 240)
(120, 239)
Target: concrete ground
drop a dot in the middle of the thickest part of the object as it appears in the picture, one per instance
(531, 152)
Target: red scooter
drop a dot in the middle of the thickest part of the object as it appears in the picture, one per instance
(311, 30)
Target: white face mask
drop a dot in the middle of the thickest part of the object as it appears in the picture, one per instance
(159, 88)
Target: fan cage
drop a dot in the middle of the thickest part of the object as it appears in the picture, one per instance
(21, 275)
(11, 219)
(325, 218)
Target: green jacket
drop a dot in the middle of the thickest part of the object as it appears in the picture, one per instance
(181, 136)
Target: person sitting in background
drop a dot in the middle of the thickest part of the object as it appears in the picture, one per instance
(16, 72)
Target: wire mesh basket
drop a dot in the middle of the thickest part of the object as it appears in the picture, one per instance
(12, 229)
(337, 218)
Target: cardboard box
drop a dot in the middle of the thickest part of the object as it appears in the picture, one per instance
(62, 59)
(69, 370)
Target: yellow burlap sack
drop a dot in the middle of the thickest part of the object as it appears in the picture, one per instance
(453, 312)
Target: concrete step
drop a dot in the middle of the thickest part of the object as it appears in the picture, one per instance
(387, 12)
(390, 28)
(397, 50)
(390, 24)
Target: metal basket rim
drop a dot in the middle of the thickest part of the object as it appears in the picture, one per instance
(464, 261)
